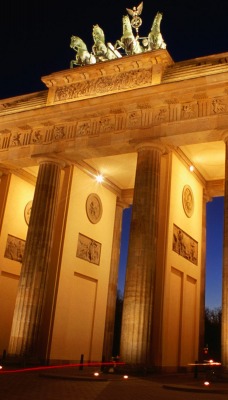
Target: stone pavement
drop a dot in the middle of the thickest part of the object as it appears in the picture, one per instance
(72, 384)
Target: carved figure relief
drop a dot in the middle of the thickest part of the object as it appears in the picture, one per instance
(185, 245)
(134, 119)
(88, 249)
(218, 106)
(83, 129)
(188, 111)
(59, 132)
(107, 124)
(161, 115)
(16, 140)
(36, 137)
(14, 248)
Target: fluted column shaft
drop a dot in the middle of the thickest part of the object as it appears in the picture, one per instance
(32, 285)
(141, 265)
(113, 281)
(225, 271)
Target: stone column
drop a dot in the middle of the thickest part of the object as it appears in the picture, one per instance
(225, 271)
(113, 282)
(141, 266)
(31, 295)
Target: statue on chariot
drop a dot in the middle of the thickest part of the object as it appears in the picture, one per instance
(128, 44)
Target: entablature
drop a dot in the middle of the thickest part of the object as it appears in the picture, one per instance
(192, 110)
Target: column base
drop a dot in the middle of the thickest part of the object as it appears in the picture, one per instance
(16, 361)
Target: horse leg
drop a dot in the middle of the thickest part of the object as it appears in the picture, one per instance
(72, 63)
(119, 45)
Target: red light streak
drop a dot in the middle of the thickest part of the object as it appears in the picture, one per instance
(91, 364)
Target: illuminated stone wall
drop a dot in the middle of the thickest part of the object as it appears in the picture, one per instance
(182, 276)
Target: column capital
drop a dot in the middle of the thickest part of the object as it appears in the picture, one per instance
(121, 203)
(206, 197)
(50, 160)
(225, 136)
(146, 145)
(5, 170)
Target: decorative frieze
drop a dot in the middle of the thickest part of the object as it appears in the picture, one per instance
(104, 85)
(144, 115)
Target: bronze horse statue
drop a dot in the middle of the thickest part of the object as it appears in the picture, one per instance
(128, 42)
(83, 57)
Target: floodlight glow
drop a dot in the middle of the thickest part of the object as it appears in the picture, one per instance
(99, 178)
(96, 374)
(206, 383)
(191, 168)
(1, 366)
(125, 376)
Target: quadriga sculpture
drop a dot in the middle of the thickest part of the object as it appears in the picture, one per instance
(129, 43)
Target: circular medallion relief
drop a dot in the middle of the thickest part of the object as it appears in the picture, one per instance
(94, 208)
(27, 211)
(188, 200)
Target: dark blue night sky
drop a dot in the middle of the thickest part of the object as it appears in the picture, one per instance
(214, 256)
(35, 35)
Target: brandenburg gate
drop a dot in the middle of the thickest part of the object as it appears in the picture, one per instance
(114, 130)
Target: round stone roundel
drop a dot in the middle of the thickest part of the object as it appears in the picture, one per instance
(188, 200)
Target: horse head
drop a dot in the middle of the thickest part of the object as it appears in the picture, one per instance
(77, 43)
(98, 34)
(127, 28)
(157, 22)
(155, 39)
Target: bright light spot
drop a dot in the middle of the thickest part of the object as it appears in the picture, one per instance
(125, 376)
(211, 361)
(191, 168)
(96, 373)
(1, 366)
(206, 383)
(99, 178)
